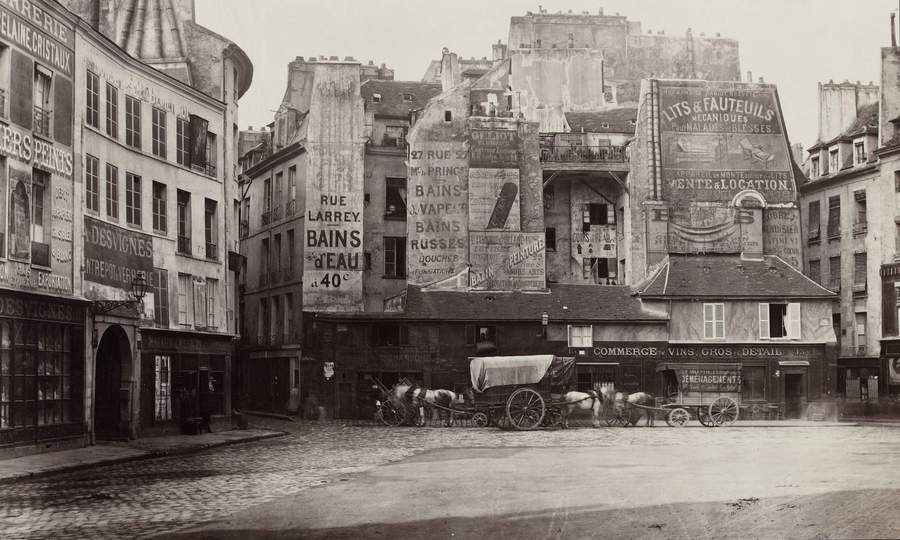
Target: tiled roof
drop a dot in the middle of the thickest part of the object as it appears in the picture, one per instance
(609, 121)
(597, 303)
(724, 276)
(392, 92)
(866, 122)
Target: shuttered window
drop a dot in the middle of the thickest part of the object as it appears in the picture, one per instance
(777, 320)
(834, 217)
(814, 221)
(859, 269)
(581, 335)
(713, 321)
(92, 114)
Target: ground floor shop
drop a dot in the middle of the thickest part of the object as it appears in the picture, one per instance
(184, 377)
(42, 373)
(272, 381)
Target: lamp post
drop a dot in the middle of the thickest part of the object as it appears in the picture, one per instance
(138, 292)
(545, 320)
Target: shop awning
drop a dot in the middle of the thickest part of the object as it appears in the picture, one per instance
(789, 363)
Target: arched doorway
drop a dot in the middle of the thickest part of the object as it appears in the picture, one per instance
(113, 361)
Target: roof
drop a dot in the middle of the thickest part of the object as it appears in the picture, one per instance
(730, 276)
(392, 92)
(562, 302)
(608, 121)
(865, 123)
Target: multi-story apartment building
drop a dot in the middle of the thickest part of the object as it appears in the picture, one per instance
(43, 354)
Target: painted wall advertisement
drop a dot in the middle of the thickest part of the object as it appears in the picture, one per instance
(494, 199)
(113, 255)
(718, 139)
(507, 261)
(705, 229)
(495, 148)
(438, 214)
(781, 234)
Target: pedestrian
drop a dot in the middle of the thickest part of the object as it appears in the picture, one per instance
(207, 388)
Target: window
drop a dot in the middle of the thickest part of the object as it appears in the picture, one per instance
(162, 395)
(395, 198)
(289, 317)
(211, 228)
(264, 262)
(184, 222)
(394, 136)
(779, 320)
(833, 164)
(596, 214)
(815, 271)
(376, 98)
(112, 111)
(550, 238)
(836, 325)
(599, 270)
(133, 199)
(277, 322)
(834, 273)
(132, 122)
(859, 149)
(276, 258)
(814, 166)
(814, 222)
(713, 321)
(200, 303)
(279, 185)
(210, 153)
(753, 383)
(897, 181)
(40, 218)
(267, 198)
(476, 334)
(834, 216)
(159, 207)
(861, 332)
(860, 224)
(158, 135)
(42, 94)
(408, 97)
(262, 327)
(292, 191)
(183, 142)
(112, 191)
(159, 281)
(581, 335)
(185, 299)
(448, 116)
(391, 335)
(394, 256)
(859, 270)
(212, 289)
(290, 250)
(92, 183)
(92, 114)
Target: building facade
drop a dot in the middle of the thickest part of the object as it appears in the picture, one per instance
(43, 354)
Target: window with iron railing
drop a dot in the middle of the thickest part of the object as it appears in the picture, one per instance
(211, 228)
(563, 151)
(184, 222)
(42, 121)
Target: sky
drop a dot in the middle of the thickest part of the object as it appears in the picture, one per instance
(792, 43)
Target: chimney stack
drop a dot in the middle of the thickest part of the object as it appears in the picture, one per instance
(450, 72)
(893, 31)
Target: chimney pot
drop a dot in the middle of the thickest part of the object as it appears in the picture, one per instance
(333, 58)
(250, 128)
(298, 59)
(312, 59)
(718, 34)
(761, 80)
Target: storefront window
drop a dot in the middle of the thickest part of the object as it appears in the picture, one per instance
(753, 383)
(163, 396)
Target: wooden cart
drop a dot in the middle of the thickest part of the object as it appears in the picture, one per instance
(709, 391)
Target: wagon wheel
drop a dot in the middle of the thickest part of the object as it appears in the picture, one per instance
(388, 415)
(678, 417)
(553, 417)
(703, 416)
(525, 408)
(724, 410)
(480, 419)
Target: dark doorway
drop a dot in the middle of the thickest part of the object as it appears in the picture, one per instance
(794, 395)
(110, 400)
(595, 377)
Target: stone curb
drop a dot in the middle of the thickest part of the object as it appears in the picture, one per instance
(147, 454)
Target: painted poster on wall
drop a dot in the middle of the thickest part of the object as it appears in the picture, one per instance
(507, 261)
(704, 229)
(718, 139)
(781, 234)
(494, 148)
(115, 255)
(438, 215)
(199, 127)
(494, 199)
(19, 212)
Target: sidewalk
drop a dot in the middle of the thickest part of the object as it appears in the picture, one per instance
(36, 465)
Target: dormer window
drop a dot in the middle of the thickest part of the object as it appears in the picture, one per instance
(604, 125)
(859, 152)
(408, 97)
(376, 98)
(631, 123)
(833, 166)
(814, 167)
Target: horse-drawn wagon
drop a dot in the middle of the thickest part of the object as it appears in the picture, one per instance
(709, 391)
(518, 391)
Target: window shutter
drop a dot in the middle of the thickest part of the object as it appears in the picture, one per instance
(719, 320)
(708, 322)
(764, 321)
(610, 214)
(199, 128)
(569, 332)
(793, 313)
(199, 304)
(20, 89)
(62, 111)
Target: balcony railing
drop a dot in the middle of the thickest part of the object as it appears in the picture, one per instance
(860, 228)
(212, 251)
(396, 142)
(266, 217)
(276, 213)
(184, 245)
(42, 121)
(290, 208)
(583, 154)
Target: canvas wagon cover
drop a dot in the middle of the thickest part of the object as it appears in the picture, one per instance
(705, 377)
(489, 371)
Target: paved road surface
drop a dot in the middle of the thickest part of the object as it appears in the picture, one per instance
(358, 482)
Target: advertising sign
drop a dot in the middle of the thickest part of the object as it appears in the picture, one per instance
(718, 139)
(507, 261)
(113, 255)
(598, 243)
(37, 32)
(781, 234)
(704, 229)
(709, 380)
(438, 215)
(199, 127)
(496, 148)
(494, 199)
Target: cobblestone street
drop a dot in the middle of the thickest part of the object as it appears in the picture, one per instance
(142, 498)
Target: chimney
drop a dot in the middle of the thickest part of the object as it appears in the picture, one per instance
(450, 72)
(749, 76)
(893, 31)
(499, 51)
(890, 98)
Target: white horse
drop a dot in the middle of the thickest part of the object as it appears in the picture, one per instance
(582, 400)
(403, 395)
(621, 408)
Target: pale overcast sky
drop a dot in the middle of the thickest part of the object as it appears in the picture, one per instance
(792, 43)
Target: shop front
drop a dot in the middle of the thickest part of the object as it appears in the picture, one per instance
(42, 343)
(623, 366)
(184, 375)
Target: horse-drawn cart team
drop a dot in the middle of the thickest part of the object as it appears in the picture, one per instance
(527, 392)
